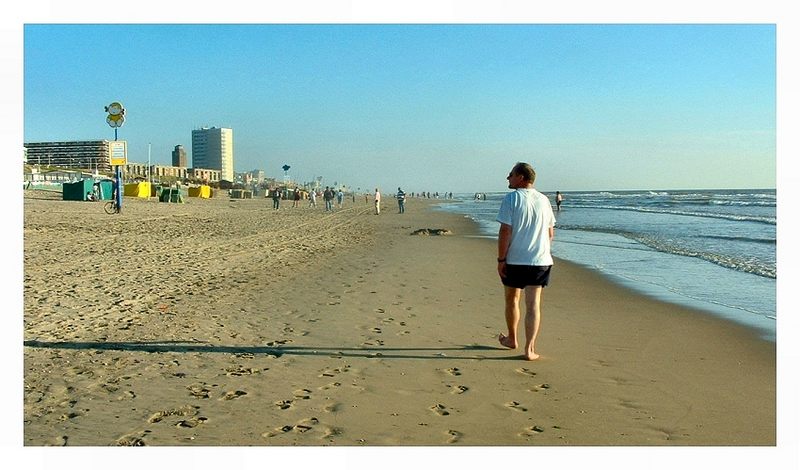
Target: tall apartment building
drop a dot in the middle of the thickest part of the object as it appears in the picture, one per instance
(179, 156)
(212, 147)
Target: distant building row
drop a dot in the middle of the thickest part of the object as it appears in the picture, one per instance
(95, 155)
(212, 155)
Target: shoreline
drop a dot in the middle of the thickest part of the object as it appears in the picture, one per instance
(765, 326)
(300, 328)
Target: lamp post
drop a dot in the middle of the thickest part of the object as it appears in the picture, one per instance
(115, 119)
(286, 173)
(149, 174)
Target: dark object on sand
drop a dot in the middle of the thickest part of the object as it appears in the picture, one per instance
(432, 231)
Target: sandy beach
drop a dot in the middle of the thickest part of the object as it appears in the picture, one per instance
(225, 323)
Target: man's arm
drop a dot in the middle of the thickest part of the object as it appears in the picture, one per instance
(503, 242)
(551, 232)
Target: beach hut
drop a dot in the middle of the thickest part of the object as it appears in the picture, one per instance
(77, 191)
(169, 194)
(241, 194)
(203, 192)
(106, 189)
(137, 189)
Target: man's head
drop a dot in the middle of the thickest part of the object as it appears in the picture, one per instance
(521, 176)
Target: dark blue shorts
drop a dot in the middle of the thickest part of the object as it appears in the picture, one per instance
(520, 276)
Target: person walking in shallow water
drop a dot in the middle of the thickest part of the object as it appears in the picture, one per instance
(527, 227)
(559, 199)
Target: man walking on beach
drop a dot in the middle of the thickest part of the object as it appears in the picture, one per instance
(327, 195)
(377, 202)
(523, 254)
(276, 199)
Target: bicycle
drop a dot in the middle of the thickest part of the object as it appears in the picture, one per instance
(111, 207)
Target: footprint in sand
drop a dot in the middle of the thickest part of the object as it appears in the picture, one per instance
(330, 386)
(458, 389)
(192, 422)
(335, 372)
(332, 408)
(302, 394)
(183, 411)
(239, 371)
(455, 436)
(532, 431)
(130, 441)
(290, 330)
(514, 405)
(540, 388)
(302, 426)
(440, 409)
(199, 391)
(453, 371)
(524, 371)
(233, 395)
(284, 404)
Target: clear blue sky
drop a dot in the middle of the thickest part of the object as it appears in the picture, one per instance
(429, 107)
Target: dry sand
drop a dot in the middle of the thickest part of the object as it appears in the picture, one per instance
(225, 323)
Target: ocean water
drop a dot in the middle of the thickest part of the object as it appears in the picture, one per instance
(708, 249)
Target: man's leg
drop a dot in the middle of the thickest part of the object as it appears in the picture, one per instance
(512, 295)
(533, 315)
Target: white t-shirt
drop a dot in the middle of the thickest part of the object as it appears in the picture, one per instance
(530, 216)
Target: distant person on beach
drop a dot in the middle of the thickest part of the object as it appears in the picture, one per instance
(312, 198)
(276, 199)
(401, 200)
(327, 195)
(559, 199)
(377, 202)
(523, 254)
(296, 202)
(340, 198)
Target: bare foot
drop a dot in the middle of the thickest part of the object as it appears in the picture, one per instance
(531, 356)
(507, 341)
